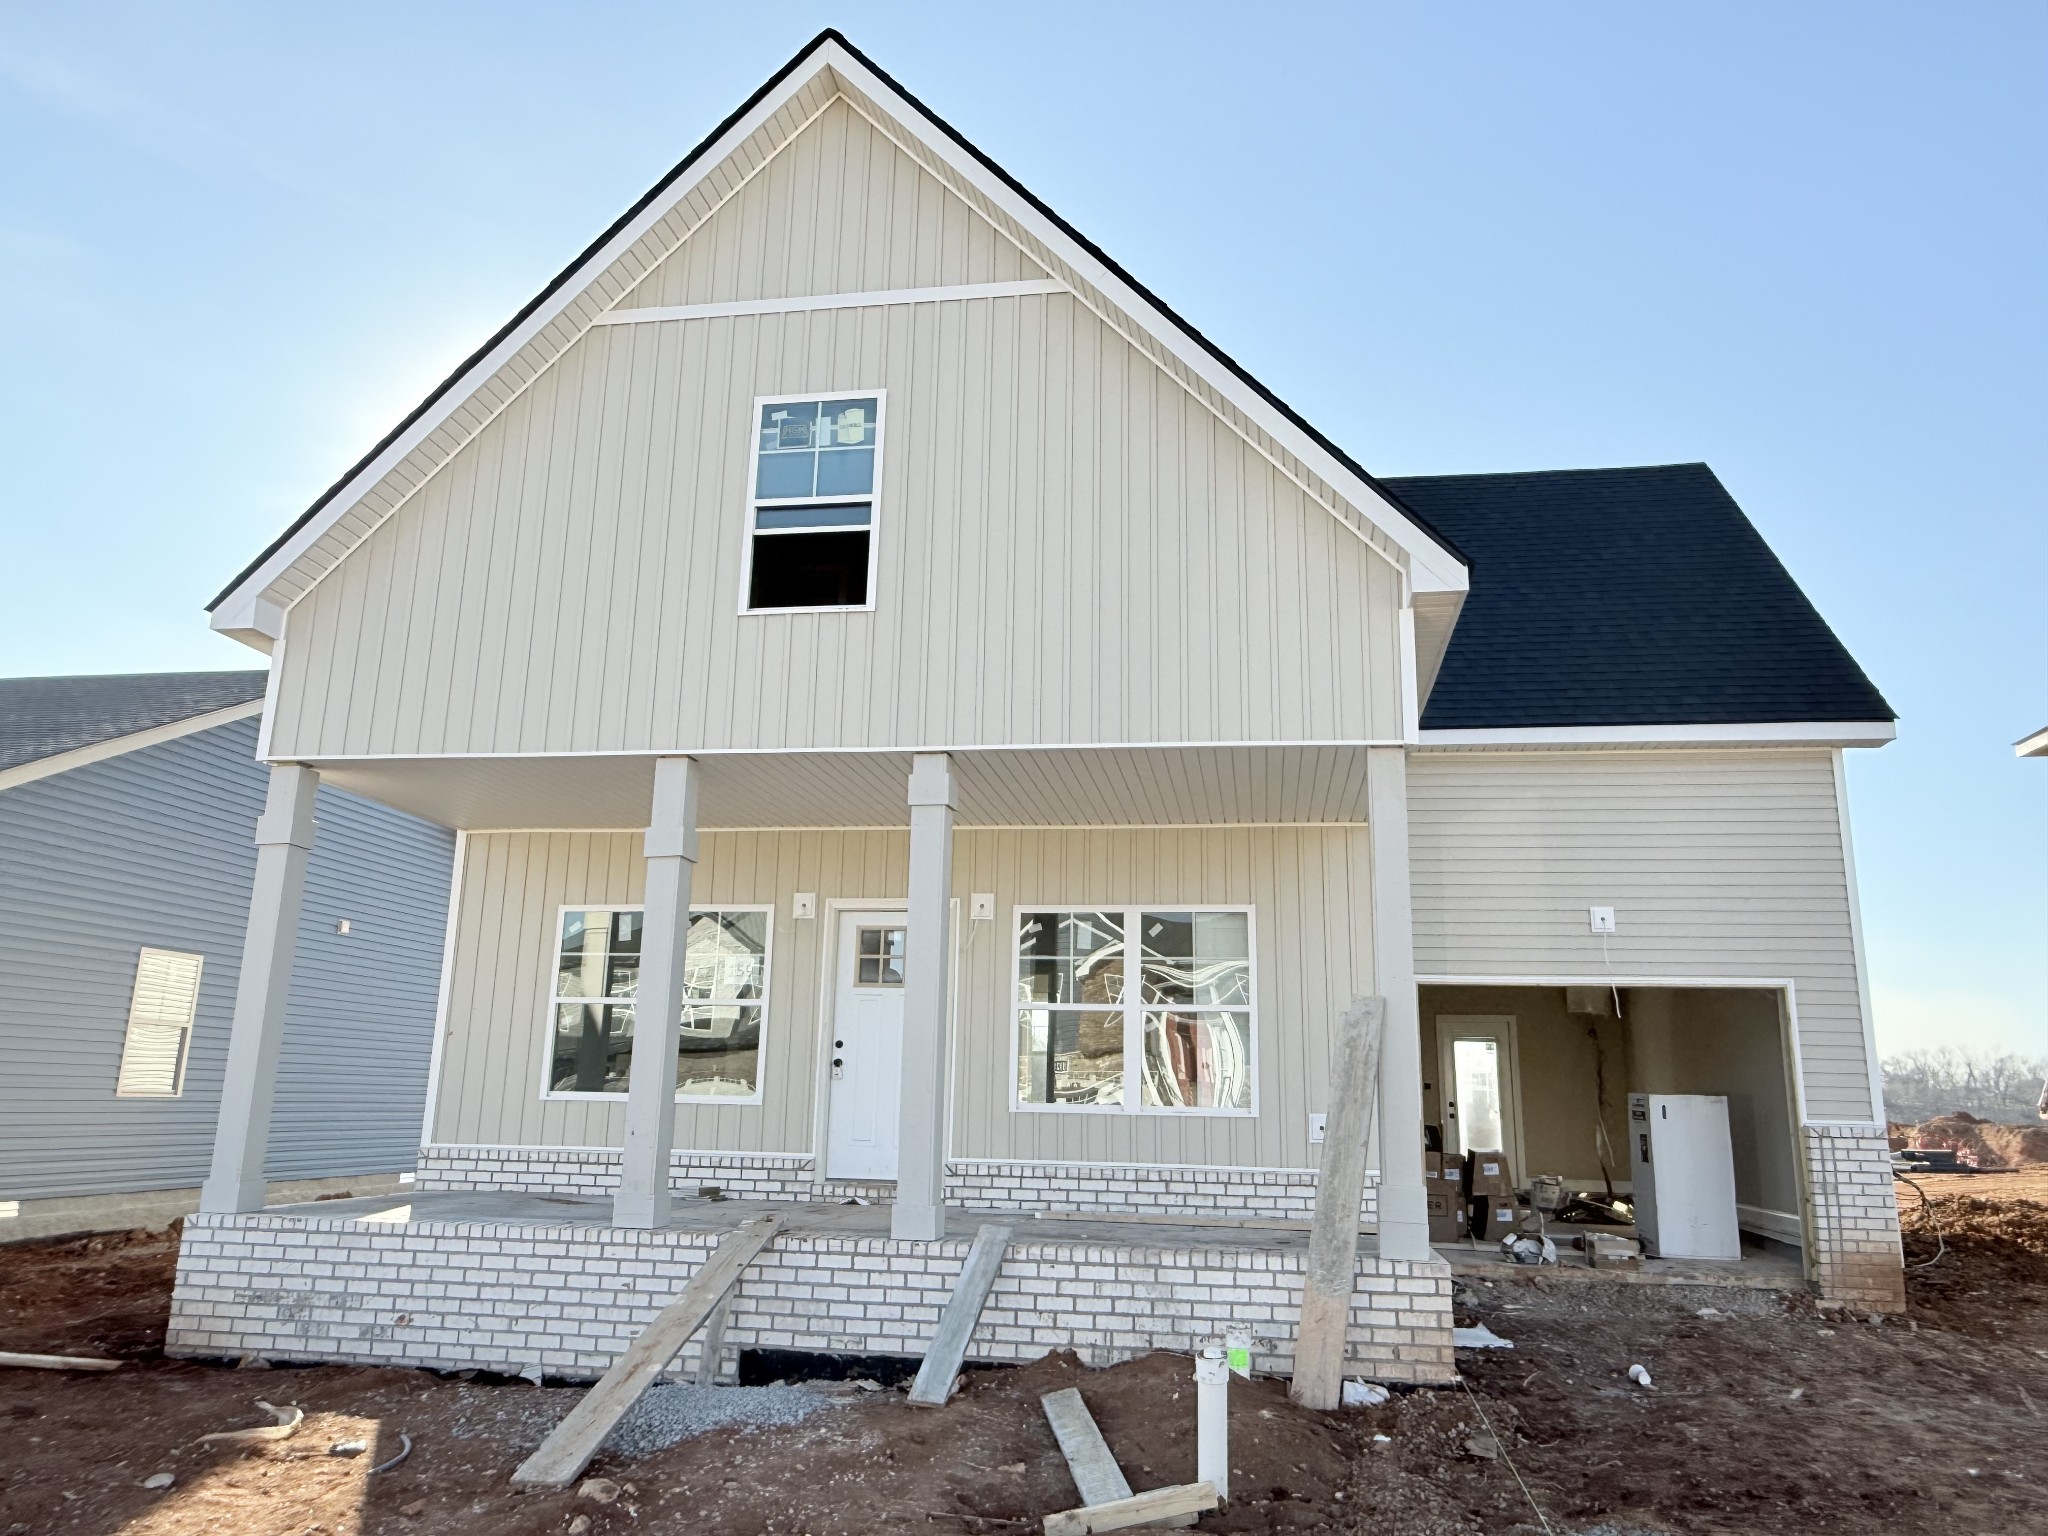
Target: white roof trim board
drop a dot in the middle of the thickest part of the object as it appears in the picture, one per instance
(116, 746)
(248, 612)
(1767, 733)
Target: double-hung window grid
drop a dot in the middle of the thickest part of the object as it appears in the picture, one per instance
(815, 471)
(595, 970)
(1135, 1010)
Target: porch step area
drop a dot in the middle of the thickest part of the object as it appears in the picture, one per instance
(508, 1282)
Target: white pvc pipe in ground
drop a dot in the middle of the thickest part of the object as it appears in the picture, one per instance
(1212, 1420)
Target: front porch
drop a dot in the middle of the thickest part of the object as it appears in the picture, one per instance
(511, 1282)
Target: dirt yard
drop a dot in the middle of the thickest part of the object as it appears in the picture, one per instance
(1763, 1416)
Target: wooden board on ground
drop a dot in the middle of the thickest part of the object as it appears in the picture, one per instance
(1177, 1505)
(565, 1453)
(948, 1349)
(1096, 1475)
(59, 1362)
(1331, 1274)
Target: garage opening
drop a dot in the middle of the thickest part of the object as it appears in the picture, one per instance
(1543, 1076)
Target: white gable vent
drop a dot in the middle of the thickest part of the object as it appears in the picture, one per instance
(159, 1024)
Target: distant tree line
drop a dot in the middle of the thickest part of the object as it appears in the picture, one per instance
(1919, 1085)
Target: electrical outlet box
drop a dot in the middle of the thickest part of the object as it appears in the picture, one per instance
(1600, 919)
(804, 904)
(1317, 1124)
(981, 906)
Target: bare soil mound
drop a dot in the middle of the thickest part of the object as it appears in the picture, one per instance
(1977, 1265)
(1983, 1143)
(109, 1294)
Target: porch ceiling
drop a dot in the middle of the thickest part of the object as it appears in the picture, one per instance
(1162, 786)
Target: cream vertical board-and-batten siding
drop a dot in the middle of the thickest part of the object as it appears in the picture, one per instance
(839, 210)
(1309, 888)
(1717, 863)
(1072, 551)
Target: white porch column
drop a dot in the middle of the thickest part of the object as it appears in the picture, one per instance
(241, 1139)
(920, 1211)
(643, 1197)
(1403, 1203)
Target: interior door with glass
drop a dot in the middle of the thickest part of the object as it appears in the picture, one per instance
(867, 1047)
(1479, 1088)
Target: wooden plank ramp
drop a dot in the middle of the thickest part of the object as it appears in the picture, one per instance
(1099, 1479)
(565, 1453)
(942, 1360)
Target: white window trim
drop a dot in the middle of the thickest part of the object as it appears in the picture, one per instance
(547, 1036)
(753, 503)
(1133, 1010)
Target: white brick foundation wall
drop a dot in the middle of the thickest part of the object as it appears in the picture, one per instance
(1094, 1189)
(1856, 1255)
(510, 1296)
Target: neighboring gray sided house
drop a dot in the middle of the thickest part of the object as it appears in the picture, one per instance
(128, 809)
(924, 727)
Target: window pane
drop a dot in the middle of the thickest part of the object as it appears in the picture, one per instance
(593, 1048)
(880, 957)
(1070, 1057)
(1477, 1085)
(810, 570)
(786, 474)
(719, 1051)
(600, 955)
(1198, 1060)
(848, 423)
(1196, 958)
(1070, 957)
(844, 472)
(772, 518)
(727, 955)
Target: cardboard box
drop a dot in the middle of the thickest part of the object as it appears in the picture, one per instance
(1448, 1228)
(1487, 1173)
(1451, 1169)
(1432, 1165)
(1605, 1251)
(1440, 1201)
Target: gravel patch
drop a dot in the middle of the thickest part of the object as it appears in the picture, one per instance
(666, 1415)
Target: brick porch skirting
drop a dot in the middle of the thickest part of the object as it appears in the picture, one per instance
(507, 1296)
(1093, 1189)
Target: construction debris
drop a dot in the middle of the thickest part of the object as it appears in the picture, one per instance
(1479, 1337)
(58, 1362)
(942, 1361)
(1364, 1394)
(1639, 1376)
(156, 1482)
(599, 1490)
(1162, 1506)
(287, 1425)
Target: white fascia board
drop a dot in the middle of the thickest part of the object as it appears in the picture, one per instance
(1768, 733)
(116, 746)
(2035, 745)
(1433, 568)
(814, 302)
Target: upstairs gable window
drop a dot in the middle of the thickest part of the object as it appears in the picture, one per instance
(811, 517)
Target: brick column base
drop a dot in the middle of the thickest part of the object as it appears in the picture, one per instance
(1856, 1256)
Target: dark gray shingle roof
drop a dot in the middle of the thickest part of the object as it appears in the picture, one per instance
(1638, 596)
(42, 716)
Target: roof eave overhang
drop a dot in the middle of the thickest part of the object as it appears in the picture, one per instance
(244, 613)
(1762, 733)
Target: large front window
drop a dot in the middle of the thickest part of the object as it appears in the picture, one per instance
(811, 518)
(1135, 1010)
(725, 990)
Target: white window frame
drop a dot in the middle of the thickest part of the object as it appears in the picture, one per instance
(177, 1089)
(1133, 1008)
(754, 503)
(553, 1001)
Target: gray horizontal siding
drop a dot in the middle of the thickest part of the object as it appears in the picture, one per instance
(153, 848)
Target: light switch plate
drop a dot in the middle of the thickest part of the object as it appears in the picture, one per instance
(805, 904)
(981, 906)
(1601, 919)
(1316, 1125)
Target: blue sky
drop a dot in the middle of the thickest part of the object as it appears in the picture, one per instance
(1803, 243)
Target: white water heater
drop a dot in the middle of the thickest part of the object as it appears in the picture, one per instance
(1683, 1169)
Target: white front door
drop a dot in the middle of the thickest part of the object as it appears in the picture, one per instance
(867, 1047)
(1480, 1087)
